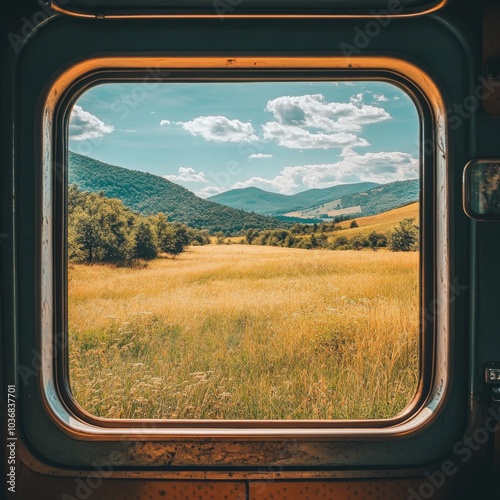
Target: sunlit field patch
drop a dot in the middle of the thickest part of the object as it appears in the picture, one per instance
(247, 332)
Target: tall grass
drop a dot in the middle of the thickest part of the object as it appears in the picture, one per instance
(247, 332)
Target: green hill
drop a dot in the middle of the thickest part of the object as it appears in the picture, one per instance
(150, 194)
(264, 202)
(253, 199)
(384, 197)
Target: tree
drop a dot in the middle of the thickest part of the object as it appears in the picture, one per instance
(103, 230)
(99, 229)
(220, 238)
(175, 240)
(118, 221)
(290, 241)
(146, 241)
(322, 240)
(354, 224)
(85, 236)
(405, 237)
(377, 240)
(358, 242)
(304, 243)
(198, 237)
(314, 241)
(340, 243)
(250, 235)
(161, 225)
(296, 228)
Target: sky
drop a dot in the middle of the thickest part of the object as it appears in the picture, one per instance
(283, 137)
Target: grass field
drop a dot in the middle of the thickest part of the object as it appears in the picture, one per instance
(247, 332)
(383, 222)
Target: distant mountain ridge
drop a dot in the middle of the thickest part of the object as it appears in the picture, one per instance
(385, 197)
(265, 202)
(239, 209)
(366, 198)
(149, 194)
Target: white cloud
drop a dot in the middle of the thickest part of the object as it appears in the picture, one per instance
(187, 174)
(165, 122)
(383, 98)
(309, 121)
(210, 191)
(293, 137)
(313, 111)
(220, 129)
(260, 155)
(286, 182)
(381, 167)
(84, 125)
(356, 99)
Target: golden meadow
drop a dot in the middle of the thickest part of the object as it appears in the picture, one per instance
(247, 332)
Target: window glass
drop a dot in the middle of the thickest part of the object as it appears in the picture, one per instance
(244, 250)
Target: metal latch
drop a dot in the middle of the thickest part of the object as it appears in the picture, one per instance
(492, 376)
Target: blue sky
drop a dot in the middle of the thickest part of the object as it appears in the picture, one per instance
(283, 137)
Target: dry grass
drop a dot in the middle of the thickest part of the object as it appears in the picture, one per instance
(382, 223)
(247, 332)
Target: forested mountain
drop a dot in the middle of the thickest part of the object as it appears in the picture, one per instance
(149, 194)
(384, 197)
(370, 197)
(254, 199)
(264, 202)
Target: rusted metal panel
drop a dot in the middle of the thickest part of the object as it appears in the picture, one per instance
(33, 485)
(346, 490)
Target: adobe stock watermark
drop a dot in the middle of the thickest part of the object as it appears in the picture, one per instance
(30, 26)
(223, 7)
(86, 487)
(436, 306)
(139, 92)
(463, 451)
(85, 148)
(459, 113)
(123, 104)
(223, 178)
(464, 110)
(28, 371)
(464, 448)
(363, 36)
(289, 449)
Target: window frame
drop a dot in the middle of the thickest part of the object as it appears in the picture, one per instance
(62, 95)
(258, 8)
(187, 75)
(55, 441)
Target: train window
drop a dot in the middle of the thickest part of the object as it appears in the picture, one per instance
(170, 321)
(242, 249)
(283, 283)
